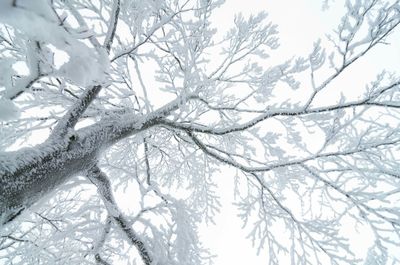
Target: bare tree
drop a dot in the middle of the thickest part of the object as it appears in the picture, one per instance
(146, 96)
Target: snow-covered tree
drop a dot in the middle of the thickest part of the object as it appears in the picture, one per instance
(141, 103)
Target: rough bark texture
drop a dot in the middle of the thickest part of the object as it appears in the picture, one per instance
(42, 168)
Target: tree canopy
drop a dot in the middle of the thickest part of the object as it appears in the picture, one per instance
(139, 104)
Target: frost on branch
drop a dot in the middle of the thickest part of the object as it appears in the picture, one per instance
(39, 27)
(376, 255)
(8, 110)
(141, 104)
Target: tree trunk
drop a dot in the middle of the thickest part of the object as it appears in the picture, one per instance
(28, 174)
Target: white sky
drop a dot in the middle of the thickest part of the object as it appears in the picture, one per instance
(300, 24)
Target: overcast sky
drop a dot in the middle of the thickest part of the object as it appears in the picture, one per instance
(300, 24)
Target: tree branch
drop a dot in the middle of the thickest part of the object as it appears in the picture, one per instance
(101, 181)
(283, 112)
(113, 25)
(69, 120)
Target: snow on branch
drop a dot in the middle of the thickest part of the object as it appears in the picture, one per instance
(151, 102)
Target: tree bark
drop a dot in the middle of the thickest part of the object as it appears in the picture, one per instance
(28, 174)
